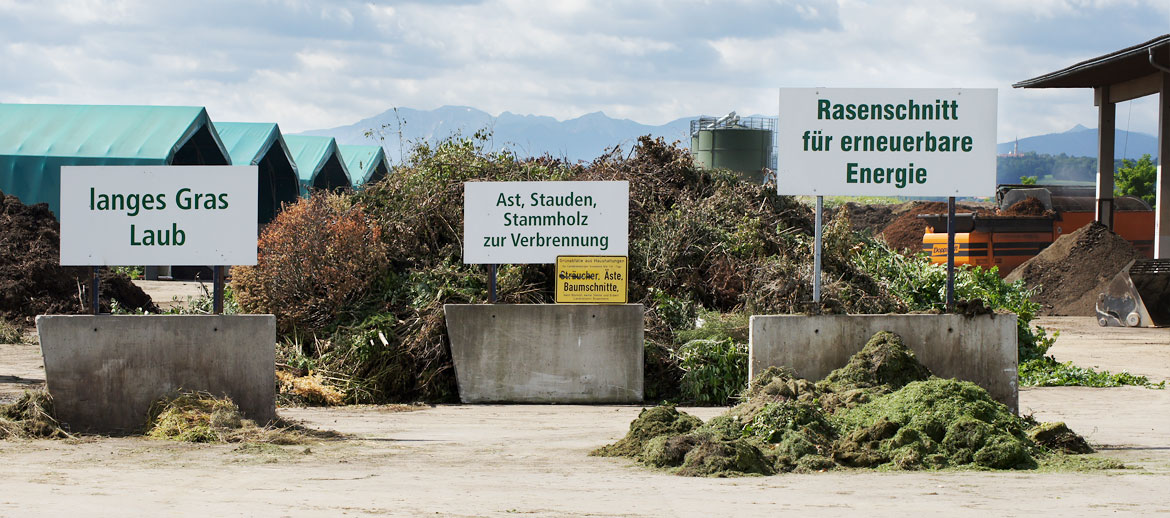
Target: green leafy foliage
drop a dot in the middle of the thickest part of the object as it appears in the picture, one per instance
(921, 284)
(1047, 372)
(1137, 178)
(714, 370)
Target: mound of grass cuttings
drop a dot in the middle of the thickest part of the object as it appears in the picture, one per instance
(29, 417)
(307, 390)
(202, 417)
(882, 410)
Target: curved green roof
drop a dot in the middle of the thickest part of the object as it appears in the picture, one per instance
(248, 142)
(37, 139)
(363, 162)
(261, 144)
(312, 155)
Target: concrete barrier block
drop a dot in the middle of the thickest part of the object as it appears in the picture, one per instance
(979, 349)
(105, 371)
(546, 353)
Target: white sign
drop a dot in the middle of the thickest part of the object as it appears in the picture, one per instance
(886, 142)
(534, 222)
(173, 215)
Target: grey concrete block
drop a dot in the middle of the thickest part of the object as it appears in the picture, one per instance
(546, 353)
(105, 371)
(979, 349)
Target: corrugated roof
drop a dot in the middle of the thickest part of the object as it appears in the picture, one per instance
(1116, 67)
(363, 162)
(37, 139)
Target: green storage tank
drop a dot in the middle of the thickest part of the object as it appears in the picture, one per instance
(743, 145)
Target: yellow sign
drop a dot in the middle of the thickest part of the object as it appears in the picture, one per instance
(592, 279)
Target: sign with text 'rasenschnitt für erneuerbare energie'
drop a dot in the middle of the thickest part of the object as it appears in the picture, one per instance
(886, 141)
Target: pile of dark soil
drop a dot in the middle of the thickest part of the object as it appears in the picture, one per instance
(1067, 276)
(883, 410)
(871, 218)
(32, 281)
(1029, 206)
(906, 230)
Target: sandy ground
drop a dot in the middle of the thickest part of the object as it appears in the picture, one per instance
(528, 460)
(168, 294)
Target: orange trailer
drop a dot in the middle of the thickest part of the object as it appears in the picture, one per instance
(1009, 241)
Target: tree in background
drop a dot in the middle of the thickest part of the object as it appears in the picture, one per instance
(1136, 178)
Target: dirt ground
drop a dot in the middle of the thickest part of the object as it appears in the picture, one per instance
(530, 460)
(168, 294)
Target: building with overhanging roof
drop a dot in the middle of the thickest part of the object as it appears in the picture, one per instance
(37, 139)
(1119, 76)
(366, 164)
(319, 163)
(261, 144)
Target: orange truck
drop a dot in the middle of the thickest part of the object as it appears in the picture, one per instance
(1008, 241)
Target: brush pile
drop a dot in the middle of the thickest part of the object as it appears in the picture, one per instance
(698, 240)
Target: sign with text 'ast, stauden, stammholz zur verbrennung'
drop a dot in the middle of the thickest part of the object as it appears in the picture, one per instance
(534, 222)
(176, 215)
(886, 141)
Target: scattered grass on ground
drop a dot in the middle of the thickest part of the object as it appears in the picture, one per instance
(12, 334)
(1047, 372)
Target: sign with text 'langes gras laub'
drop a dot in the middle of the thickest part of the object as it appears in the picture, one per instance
(886, 141)
(176, 215)
(534, 222)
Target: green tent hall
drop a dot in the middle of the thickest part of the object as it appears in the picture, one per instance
(319, 163)
(37, 139)
(366, 164)
(261, 144)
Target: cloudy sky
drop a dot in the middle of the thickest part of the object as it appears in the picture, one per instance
(314, 64)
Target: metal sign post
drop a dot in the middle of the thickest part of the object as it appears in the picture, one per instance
(94, 295)
(492, 268)
(951, 253)
(817, 252)
(217, 290)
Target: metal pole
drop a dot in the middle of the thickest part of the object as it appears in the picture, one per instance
(94, 285)
(492, 283)
(817, 252)
(217, 290)
(951, 253)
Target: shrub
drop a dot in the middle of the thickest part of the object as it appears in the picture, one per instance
(316, 262)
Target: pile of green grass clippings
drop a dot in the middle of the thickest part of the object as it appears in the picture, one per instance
(203, 418)
(31, 417)
(883, 410)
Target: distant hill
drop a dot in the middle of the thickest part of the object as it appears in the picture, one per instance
(1082, 141)
(583, 138)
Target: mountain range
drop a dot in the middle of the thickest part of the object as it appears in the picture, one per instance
(583, 138)
(1082, 141)
(588, 136)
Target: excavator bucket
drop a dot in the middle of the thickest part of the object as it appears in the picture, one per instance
(1139, 296)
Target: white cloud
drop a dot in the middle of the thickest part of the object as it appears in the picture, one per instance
(311, 64)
